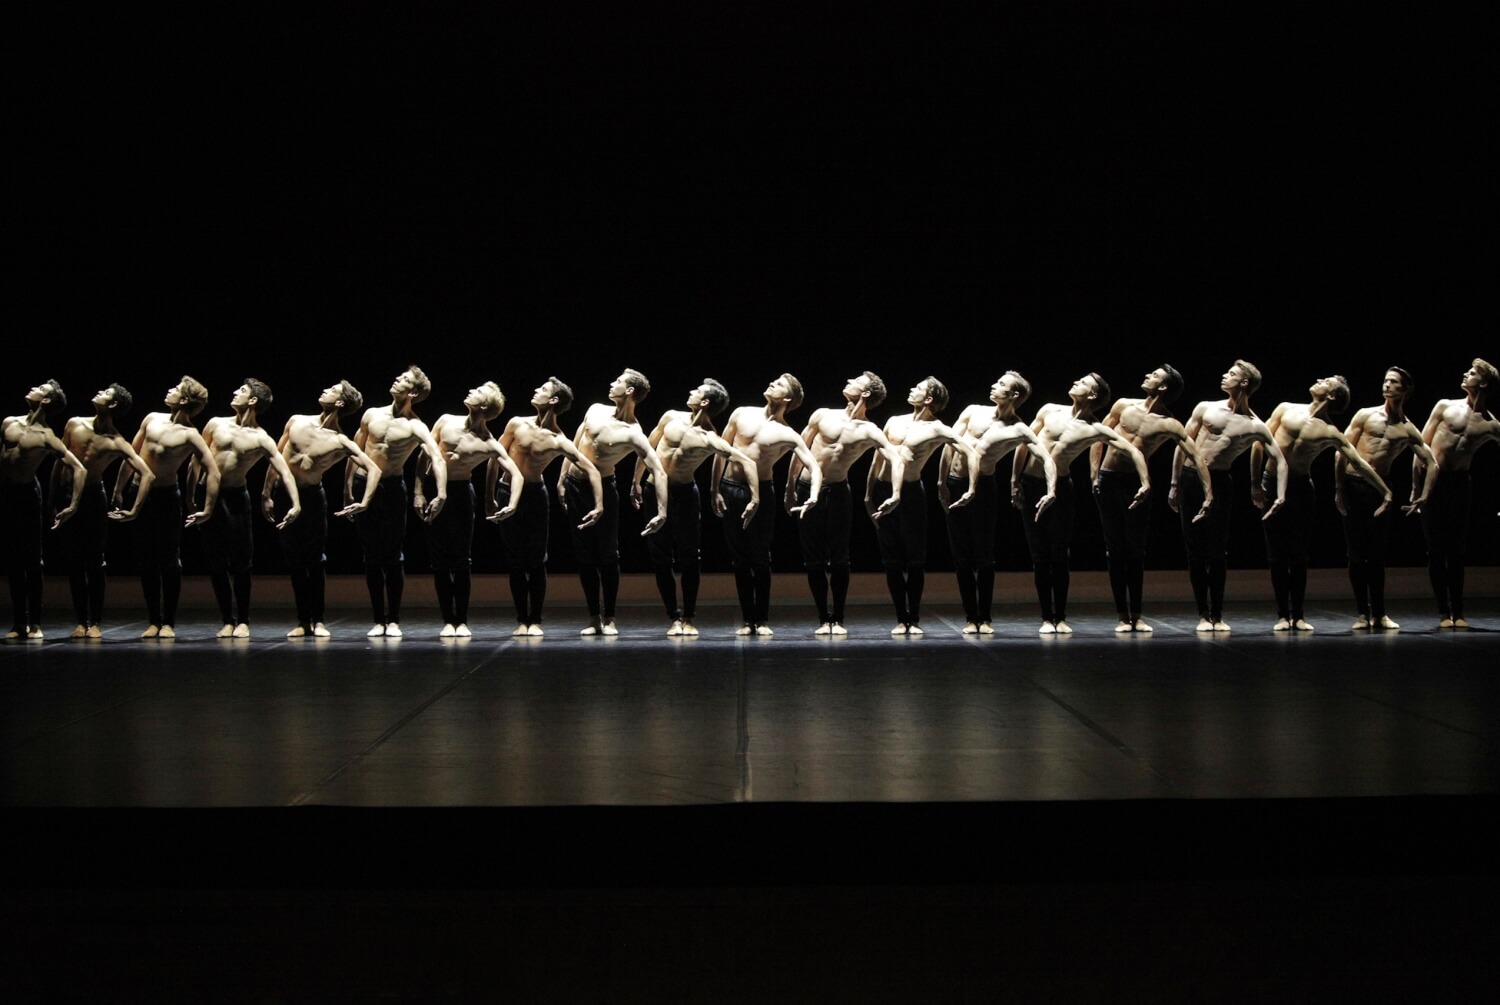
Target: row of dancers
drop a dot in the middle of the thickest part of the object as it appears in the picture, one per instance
(169, 464)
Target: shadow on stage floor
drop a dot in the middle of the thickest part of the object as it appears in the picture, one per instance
(1177, 816)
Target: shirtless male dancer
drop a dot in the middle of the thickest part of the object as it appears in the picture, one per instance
(311, 445)
(1066, 432)
(683, 441)
(466, 442)
(1455, 431)
(1221, 430)
(25, 442)
(763, 436)
(238, 443)
(1302, 431)
(165, 441)
(97, 443)
(608, 432)
(1380, 434)
(992, 432)
(390, 434)
(1147, 424)
(902, 535)
(837, 437)
(533, 443)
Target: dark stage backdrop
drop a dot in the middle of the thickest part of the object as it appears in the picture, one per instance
(307, 195)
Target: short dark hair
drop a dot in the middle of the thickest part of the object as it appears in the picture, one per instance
(1171, 384)
(794, 400)
(56, 399)
(1252, 375)
(421, 384)
(637, 382)
(717, 396)
(1408, 382)
(875, 388)
(1022, 384)
(563, 393)
(353, 400)
(260, 391)
(1102, 393)
(938, 393)
(494, 399)
(124, 402)
(1339, 400)
(197, 394)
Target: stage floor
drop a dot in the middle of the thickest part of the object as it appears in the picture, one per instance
(643, 719)
(1241, 818)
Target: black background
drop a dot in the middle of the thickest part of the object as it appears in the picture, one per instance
(304, 195)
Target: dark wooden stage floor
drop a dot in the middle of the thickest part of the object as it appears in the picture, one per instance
(1176, 817)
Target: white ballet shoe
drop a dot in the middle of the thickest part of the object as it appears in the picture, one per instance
(970, 628)
(1063, 628)
(610, 629)
(375, 631)
(1387, 623)
(534, 631)
(226, 632)
(1301, 625)
(1282, 625)
(688, 629)
(1048, 628)
(914, 630)
(985, 629)
(393, 631)
(763, 631)
(151, 632)
(242, 631)
(462, 631)
(321, 631)
(837, 628)
(447, 632)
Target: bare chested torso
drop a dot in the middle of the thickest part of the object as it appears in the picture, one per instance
(762, 438)
(1381, 437)
(1303, 436)
(1146, 430)
(533, 447)
(918, 440)
(96, 450)
(684, 446)
(1065, 435)
(166, 444)
(312, 446)
(1223, 434)
(1457, 431)
(23, 447)
(606, 439)
(990, 436)
(837, 440)
(390, 439)
(237, 449)
(464, 447)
